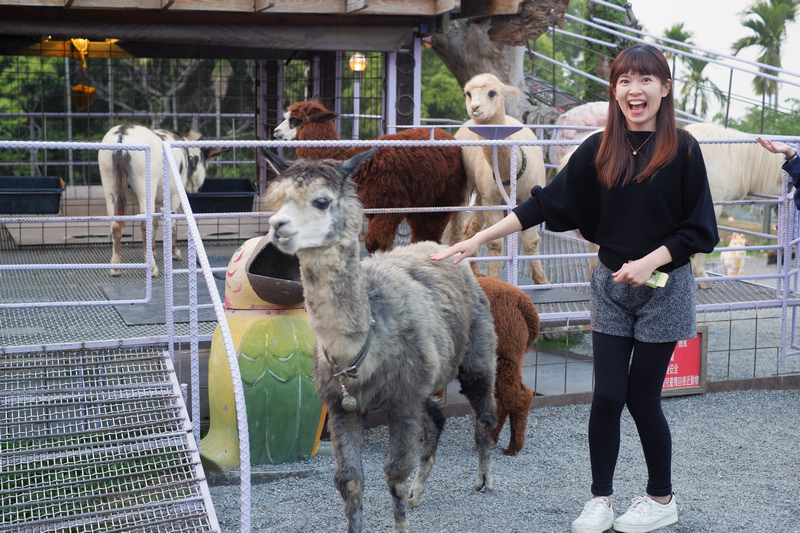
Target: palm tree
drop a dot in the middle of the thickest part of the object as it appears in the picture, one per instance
(768, 23)
(677, 33)
(695, 88)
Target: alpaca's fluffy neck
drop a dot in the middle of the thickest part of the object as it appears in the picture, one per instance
(336, 298)
(503, 152)
(503, 160)
(319, 132)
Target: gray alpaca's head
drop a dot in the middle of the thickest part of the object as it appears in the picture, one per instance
(315, 203)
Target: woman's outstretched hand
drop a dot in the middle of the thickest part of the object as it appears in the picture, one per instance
(469, 247)
(776, 147)
(461, 250)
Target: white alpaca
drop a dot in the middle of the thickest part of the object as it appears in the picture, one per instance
(485, 102)
(589, 114)
(123, 171)
(391, 332)
(733, 260)
(735, 170)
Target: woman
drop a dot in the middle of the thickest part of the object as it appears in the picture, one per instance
(639, 190)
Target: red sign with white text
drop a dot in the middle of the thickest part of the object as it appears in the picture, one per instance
(684, 368)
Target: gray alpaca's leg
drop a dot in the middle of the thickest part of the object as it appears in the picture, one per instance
(476, 375)
(478, 390)
(432, 425)
(502, 414)
(400, 459)
(348, 441)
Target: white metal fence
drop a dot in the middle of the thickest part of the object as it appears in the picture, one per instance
(762, 303)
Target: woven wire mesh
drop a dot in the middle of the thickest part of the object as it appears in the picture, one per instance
(96, 440)
(48, 326)
(54, 325)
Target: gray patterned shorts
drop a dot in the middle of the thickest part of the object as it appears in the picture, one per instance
(655, 315)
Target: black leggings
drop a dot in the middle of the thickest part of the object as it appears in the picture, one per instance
(629, 372)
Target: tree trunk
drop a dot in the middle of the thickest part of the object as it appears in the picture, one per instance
(497, 45)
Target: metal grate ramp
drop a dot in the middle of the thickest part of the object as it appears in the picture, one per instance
(98, 441)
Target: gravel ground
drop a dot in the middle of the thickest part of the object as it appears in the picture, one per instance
(735, 464)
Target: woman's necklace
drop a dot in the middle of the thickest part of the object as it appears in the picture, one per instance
(636, 150)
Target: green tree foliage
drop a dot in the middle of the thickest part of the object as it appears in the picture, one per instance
(694, 94)
(767, 19)
(28, 85)
(775, 122)
(442, 96)
(598, 58)
(569, 51)
(692, 86)
(174, 94)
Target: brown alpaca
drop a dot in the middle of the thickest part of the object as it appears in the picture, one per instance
(516, 323)
(430, 176)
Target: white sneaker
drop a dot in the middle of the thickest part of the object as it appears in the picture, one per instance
(646, 515)
(597, 516)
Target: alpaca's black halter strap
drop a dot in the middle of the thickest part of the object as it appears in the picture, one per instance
(349, 403)
(523, 164)
(352, 370)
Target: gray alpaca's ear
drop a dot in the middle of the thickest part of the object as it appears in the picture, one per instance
(277, 163)
(349, 167)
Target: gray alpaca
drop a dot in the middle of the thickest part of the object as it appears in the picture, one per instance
(391, 332)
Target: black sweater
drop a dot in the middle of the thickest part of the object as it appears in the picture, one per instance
(793, 169)
(673, 208)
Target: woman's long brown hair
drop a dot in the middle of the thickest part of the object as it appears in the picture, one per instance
(615, 163)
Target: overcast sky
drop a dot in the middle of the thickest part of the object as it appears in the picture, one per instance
(716, 25)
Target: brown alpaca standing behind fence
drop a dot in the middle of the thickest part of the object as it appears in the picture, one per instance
(396, 177)
(516, 323)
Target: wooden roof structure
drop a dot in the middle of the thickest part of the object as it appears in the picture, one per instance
(267, 29)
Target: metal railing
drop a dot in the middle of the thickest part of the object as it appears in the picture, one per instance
(783, 297)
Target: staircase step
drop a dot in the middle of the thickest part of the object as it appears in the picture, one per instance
(98, 440)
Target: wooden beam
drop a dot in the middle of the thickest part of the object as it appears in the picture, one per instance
(351, 6)
(487, 8)
(361, 7)
(119, 4)
(34, 3)
(294, 7)
(262, 5)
